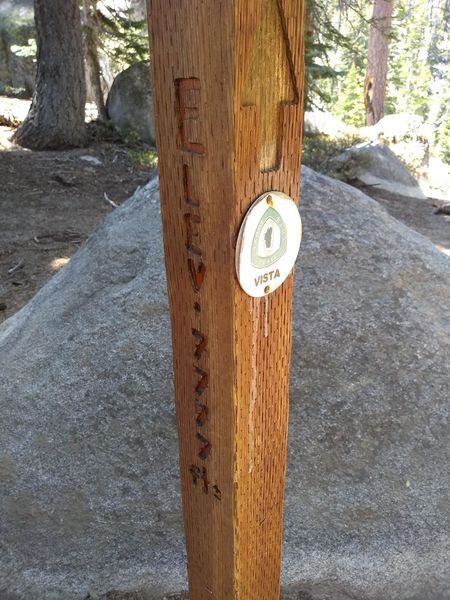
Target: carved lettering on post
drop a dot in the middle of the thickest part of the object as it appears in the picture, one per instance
(188, 105)
(201, 343)
(197, 271)
(192, 233)
(188, 193)
(201, 413)
(206, 447)
(188, 96)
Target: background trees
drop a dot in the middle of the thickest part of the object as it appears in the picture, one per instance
(56, 116)
(377, 61)
(80, 46)
(91, 28)
(342, 50)
(418, 66)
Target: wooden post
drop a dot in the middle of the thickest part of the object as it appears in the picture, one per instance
(228, 87)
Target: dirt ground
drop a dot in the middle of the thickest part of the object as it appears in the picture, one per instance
(49, 204)
(420, 215)
(324, 592)
(51, 201)
(135, 596)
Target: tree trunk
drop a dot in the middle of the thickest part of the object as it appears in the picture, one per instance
(56, 117)
(377, 61)
(94, 71)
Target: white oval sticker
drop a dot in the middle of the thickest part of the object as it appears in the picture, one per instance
(268, 243)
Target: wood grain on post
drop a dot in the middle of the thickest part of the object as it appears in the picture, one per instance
(228, 87)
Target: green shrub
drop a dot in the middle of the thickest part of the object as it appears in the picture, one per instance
(318, 150)
(145, 160)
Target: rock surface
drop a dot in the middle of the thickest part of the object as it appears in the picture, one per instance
(317, 122)
(407, 136)
(89, 493)
(374, 164)
(135, 9)
(130, 102)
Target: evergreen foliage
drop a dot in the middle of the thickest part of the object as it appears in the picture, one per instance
(409, 77)
(444, 140)
(350, 102)
(123, 38)
(335, 52)
(419, 62)
(331, 31)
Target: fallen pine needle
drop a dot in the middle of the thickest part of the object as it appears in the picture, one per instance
(19, 265)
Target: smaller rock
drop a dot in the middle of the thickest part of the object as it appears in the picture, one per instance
(437, 180)
(130, 102)
(374, 164)
(402, 126)
(444, 209)
(407, 136)
(322, 123)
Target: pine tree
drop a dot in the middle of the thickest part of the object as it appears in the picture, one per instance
(377, 61)
(56, 116)
(444, 140)
(350, 102)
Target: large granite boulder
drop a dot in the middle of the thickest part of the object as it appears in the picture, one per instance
(89, 492)
(374, 164)
(130, 102)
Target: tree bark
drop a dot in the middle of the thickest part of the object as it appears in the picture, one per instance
(377, 61)
(56, 117)
(94, 71)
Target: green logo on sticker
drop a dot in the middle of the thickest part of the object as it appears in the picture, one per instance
(270, 240)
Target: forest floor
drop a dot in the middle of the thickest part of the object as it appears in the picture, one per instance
(49, 204)
(51, 201)
(309, 593)
(419, 214)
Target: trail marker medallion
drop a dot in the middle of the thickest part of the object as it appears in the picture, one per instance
(268, 244)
